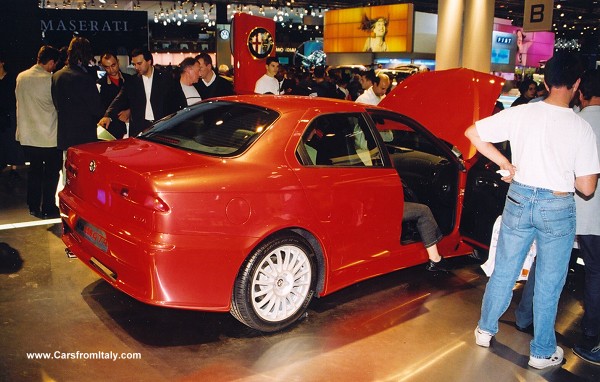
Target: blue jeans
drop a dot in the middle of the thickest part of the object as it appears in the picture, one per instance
(524, 312)
(531, 213)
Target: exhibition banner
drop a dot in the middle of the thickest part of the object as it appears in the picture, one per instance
(384, 28)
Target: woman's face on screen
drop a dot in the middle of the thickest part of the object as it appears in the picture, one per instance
(379, 28)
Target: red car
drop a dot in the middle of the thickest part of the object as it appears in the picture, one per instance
(255, 204)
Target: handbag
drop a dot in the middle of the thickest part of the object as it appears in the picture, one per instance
(488, 266)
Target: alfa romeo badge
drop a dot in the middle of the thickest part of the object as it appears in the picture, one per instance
(260, 43)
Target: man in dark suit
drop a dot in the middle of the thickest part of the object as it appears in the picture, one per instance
(211, 85)
(146, 95)
(110, 85)
(76, 97)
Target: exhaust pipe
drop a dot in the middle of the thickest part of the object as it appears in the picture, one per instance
(70, 255)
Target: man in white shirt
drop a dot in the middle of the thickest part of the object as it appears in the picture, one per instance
(554, 154)
(268, 84)
(375, 93)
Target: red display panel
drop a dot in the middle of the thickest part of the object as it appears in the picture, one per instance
(253, 41)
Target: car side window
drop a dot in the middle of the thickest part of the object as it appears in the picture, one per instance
(399, 137)
(339, 140)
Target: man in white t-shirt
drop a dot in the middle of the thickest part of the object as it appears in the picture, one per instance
(268, 84)
(553, 154)
(375, 93)
(186, 94)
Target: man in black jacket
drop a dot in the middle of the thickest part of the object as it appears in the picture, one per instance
(146, 95)
(110, 85)
(76, 97)
(211, 84)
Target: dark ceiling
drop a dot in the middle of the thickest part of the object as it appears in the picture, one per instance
(573, 19)
(579, 16)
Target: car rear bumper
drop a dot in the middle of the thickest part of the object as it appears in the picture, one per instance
(180, 271)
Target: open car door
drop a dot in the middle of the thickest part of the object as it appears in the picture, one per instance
(447, 102)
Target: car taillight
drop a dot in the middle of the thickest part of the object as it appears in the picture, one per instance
(71, 170)
(156, 203)
(146, 200)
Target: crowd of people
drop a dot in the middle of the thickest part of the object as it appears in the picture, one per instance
(60, 101)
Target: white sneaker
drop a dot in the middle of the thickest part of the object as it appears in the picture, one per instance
(553, 360)
(482, 338)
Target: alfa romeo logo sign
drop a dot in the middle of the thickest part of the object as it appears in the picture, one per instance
(260, 43)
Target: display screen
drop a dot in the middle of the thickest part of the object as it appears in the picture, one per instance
(384, 28)
(500, 56)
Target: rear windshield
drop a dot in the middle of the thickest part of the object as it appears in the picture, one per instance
(218, 128)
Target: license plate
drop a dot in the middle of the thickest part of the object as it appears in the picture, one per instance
(93, 234)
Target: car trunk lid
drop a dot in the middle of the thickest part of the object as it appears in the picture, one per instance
(447, 102)
(116, 177)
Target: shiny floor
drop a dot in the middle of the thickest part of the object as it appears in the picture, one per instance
(410, 325)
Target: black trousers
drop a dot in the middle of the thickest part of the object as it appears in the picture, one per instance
(45, 164)
(590, 248)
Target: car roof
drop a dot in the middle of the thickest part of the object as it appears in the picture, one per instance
(446, 102)
(287, 103)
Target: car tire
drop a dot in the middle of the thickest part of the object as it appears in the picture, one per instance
(275, 284)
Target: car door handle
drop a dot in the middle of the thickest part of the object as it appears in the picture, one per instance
(485, 182)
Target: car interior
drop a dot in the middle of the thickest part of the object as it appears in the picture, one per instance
(218, 129)
(340, 140)
(428, 175)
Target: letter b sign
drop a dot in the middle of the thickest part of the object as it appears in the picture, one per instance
(538, 15)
